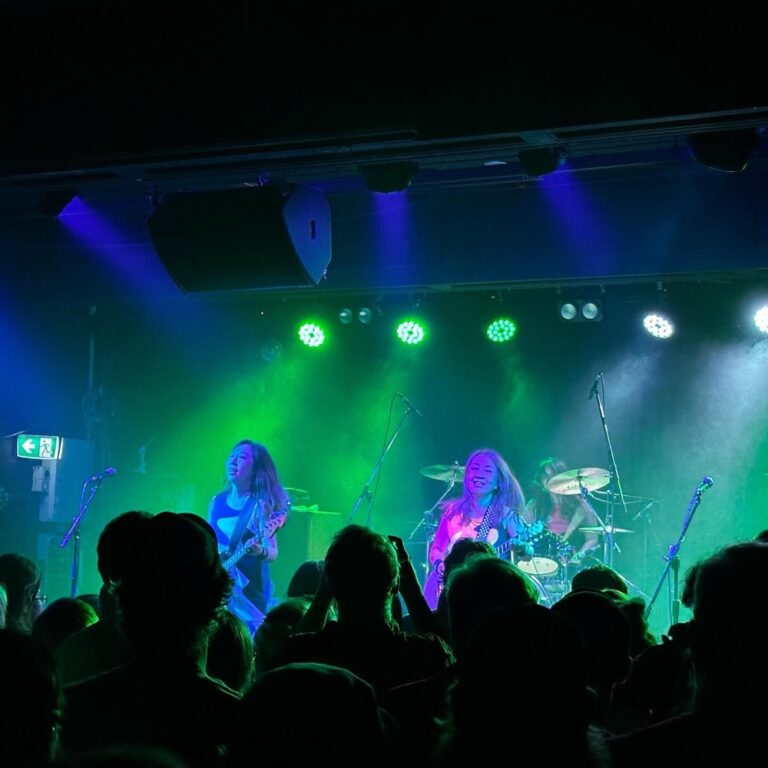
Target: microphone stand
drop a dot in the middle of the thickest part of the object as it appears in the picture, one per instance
(74, 531)
(366, 492)
(609, 540)
(673, 561)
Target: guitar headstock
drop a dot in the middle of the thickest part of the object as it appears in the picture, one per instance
(274, 521)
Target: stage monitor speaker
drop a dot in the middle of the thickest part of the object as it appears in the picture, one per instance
(257, 238)
(306, 536)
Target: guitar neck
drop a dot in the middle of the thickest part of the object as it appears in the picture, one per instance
(275, 522)
(237, 555)
(504, 547)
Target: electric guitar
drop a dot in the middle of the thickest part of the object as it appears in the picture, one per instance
(274, 521)
(433, 584)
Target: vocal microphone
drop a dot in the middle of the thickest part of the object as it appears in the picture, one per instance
(409, 404)
(593, 391)
(706, 482)
(106, 473)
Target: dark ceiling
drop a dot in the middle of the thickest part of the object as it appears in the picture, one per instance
(177, 93)
(126, 101)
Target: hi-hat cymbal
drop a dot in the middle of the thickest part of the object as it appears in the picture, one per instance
(572, 481)
(607, 529)
(445, 472)
(297, 495)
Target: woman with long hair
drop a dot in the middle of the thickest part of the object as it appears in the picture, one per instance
(489, 510)
(246, 516)
(561, 514)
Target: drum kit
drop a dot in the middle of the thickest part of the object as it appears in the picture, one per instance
(548, 557)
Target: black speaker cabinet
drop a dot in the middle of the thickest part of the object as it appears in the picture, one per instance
(306, 536)
(243, 239)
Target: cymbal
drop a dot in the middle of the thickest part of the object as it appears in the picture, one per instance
(600, 529)
(572, 481)
(445, 472)
(297, 495)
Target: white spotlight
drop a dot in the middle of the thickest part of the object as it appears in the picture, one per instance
(658, 326)
(761, 319)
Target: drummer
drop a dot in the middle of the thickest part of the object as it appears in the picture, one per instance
(562, 513)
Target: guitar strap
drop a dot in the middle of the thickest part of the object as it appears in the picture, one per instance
(241, 524)
(485, 523)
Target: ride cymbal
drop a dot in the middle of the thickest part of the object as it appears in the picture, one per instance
(572, 481)
(444, 472)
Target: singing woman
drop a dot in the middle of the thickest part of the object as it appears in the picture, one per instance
(245, 516)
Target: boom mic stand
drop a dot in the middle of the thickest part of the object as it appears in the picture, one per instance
(609, 540)
(74, 530)
(673, 561)
(366, 492)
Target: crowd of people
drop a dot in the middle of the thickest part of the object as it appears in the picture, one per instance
(167, 667)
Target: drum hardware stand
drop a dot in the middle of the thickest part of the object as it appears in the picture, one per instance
(366, 492)
(673, 561)
(609, 541)
(645, 516)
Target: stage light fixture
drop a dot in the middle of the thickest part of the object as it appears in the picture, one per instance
(311, 335)
(658, 325)
(580, 310)
(389, 177)
(727, 151)
(271, 349)
(590, 310)
(54, 201)
(365, 315)
(345, 316)
(761, 319)
(501, 330)
(542, 160)
(411, 332)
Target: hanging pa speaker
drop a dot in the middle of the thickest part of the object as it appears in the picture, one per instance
(243, 239)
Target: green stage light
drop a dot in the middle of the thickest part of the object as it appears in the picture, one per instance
(410, 332)
(312, 335)
(502, 329)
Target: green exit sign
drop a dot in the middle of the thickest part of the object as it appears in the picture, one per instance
(38, 446)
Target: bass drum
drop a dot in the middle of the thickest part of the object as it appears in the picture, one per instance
(545, 597)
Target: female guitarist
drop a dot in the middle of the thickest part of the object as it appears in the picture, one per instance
(245, 516)
(489, 510)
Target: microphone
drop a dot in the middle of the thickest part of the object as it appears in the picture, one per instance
(409, 404)
(706, 482)
(109, 471)
(593, 391)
